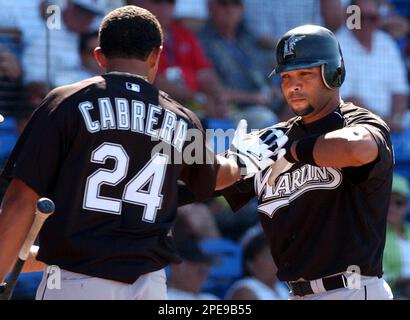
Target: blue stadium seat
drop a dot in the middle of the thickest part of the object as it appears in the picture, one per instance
(227, 266)
(8, 138)
(26, 286)
(401, 146)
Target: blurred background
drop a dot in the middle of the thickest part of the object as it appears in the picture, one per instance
(216, 60)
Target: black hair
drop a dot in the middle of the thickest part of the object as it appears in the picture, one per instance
(130, 32)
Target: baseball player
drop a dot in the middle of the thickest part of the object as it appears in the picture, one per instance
(324, 209)
(90, 148)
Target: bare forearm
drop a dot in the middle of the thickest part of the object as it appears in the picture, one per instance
(347, 147)
(16, 217)
(228, 173)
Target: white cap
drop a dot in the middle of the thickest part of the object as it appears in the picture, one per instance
(1, 118)
(98, 7)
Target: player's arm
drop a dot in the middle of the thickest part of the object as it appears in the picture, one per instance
(228, 172)
(16, 217)
(348, 147)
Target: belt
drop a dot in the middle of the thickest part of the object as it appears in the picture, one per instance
(303, 288)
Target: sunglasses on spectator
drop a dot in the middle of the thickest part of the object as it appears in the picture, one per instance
(226, 3)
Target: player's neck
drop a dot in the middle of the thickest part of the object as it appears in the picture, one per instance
(137, 68)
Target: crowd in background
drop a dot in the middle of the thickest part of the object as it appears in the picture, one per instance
(216, 58)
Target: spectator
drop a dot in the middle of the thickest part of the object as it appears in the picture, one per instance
(195, 221)
(188, 277)
(13, 104)
(260, 282)
(239, 62)
(89, 66)
(268, 19)
(398, 27)
(377, 78)
(54, 56)
(396, 261)
(391, 20)
(191, 14)
(184, 70)
(10, 83)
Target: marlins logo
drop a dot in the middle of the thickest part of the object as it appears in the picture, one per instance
(290, 44)
(291, 185)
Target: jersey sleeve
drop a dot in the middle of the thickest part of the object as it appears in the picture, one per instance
(39, 152)
(381, 135)
(200, 171)
(239, 194)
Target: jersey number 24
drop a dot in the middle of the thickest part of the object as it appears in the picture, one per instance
(151, 175)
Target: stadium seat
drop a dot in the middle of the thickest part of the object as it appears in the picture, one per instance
(227, 266)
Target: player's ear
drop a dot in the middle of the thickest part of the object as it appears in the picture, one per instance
(152, 63)
(153, 58)
(100, 57)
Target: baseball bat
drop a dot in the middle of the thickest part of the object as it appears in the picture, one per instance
(45, 207)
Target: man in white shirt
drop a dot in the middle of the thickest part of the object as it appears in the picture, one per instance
(269, 20)
(377, 78)
(54, 57)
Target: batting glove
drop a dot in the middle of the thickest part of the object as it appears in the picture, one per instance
(256, 151)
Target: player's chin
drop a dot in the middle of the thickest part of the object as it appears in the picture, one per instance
(299, 107)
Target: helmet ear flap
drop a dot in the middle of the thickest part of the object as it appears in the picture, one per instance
(333, 76)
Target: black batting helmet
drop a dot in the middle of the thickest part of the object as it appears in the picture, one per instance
(310, 46)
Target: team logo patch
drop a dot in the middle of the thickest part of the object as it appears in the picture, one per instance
(291, 185)
(290, 44)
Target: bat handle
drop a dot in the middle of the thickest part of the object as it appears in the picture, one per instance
(45, 207)
(38, 222)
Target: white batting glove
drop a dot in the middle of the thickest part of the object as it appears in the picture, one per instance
(255, 151)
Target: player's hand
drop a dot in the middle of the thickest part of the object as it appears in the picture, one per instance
(255, 151)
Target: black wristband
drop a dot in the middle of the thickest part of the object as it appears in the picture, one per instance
(288, 155)
(304, 149)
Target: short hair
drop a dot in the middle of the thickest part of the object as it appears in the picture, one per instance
(130, 32)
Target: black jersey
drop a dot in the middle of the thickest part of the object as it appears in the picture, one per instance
(320, 221)
(96, 148)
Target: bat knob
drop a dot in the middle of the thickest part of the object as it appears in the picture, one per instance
(45, 205)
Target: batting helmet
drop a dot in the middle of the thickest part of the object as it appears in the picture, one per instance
(310, 46)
